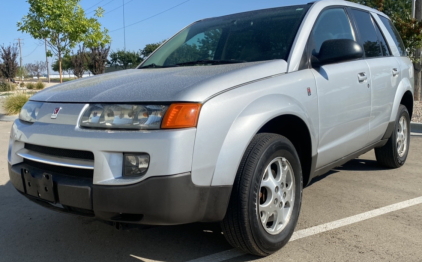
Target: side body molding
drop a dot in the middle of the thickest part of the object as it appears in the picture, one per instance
(234, 117)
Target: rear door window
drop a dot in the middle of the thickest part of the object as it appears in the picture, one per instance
(368, 35)
(394, 34)
(383, 42)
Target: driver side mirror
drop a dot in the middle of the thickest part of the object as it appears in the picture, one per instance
(337, 50)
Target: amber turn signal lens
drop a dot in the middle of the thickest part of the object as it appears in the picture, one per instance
(181, 115)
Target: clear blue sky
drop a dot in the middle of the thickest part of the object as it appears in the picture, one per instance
(152, 30)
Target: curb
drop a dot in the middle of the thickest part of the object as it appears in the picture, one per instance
(416, 127)
(6, 118)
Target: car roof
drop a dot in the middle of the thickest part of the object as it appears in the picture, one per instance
(329, 3)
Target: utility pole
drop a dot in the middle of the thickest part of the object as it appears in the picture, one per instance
(46, 58)
(20, 50)
(20, 53)
(124, 26)
(418, 17)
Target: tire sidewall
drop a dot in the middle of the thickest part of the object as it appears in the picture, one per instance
(267, 242)
(402, 112)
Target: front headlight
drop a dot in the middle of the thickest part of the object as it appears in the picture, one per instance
(123, 116)
(29, 111)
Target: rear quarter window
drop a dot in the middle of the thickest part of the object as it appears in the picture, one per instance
(394, 34)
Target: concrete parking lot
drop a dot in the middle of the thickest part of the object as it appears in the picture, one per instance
(347, 215)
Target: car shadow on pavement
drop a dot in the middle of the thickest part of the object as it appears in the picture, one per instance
(31, 232)
(353, 165)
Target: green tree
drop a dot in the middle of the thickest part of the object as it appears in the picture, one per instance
(64, 24)
(125, 59)
(9, 65)
(66, 64)
(410, 29)
(400, 12)
(148, 49)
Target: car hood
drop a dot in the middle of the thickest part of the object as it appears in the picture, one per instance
(196, 84)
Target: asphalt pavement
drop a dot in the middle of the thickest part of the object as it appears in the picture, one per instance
(358, 212)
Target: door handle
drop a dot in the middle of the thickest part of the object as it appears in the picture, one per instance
(362, 77)
(395, 72)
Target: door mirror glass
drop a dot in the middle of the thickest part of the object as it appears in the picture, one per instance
(337, 50)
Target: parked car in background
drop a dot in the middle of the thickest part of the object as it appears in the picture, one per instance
(226, 121)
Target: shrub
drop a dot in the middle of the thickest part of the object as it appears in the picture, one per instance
(30, 86)
(14, 103)
(39, 85)
(22, 84)
(6, 86)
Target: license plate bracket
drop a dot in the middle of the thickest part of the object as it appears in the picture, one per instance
(40, 187)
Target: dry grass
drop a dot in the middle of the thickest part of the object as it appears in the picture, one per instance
(13, 104)
(30, 86)
(39, 85)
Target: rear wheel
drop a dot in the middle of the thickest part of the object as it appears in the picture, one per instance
(266, 197)
(394, 153)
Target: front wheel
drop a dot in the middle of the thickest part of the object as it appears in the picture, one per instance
(394, 153)
(266, 198)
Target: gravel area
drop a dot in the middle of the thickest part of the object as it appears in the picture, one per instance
(417, 112)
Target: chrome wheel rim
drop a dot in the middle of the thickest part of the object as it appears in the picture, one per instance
(402, 136)
(276, 195)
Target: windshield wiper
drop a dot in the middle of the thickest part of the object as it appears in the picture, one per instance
(211, 62)
(156, 66)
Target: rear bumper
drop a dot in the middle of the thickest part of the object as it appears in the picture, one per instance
(165, 200)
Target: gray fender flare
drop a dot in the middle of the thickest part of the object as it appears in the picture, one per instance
(403, 87)
(246, 125)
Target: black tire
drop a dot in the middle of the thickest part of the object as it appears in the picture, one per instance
(388, 155)
(242, 226)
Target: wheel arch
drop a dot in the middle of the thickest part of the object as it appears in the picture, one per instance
(260, 115)
(407, 101)
(295, 129)
(404, 96)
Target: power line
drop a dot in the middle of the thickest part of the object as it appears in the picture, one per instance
(151, 16)
(94, 5)
(93, 11)
(120, 6)
(33, 50)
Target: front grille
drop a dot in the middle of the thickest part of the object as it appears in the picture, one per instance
(59, 152)
(68, 171)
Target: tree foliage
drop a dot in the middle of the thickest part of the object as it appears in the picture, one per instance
(66, 64)
(197, 50)
(79, 62)
(148, 49)
(36, 69)
(97, 59)
(8, 58)
(400, 11)
(64, 24)
(125, 59)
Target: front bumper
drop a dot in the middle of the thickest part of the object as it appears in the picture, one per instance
(165, 200)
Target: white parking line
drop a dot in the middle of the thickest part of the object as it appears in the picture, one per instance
(232, 253)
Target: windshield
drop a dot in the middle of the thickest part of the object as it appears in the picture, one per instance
(246, 37)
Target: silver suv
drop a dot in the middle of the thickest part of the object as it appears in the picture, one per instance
(226, 121)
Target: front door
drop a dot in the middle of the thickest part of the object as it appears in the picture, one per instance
(344, 94)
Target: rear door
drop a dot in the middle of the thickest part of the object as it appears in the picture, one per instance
(344, 99)
(384, 70)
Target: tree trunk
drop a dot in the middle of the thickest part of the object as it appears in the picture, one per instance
(418, 16)
(417, 95)
(60, 67)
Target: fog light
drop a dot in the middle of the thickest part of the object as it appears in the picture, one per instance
(135, 164)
